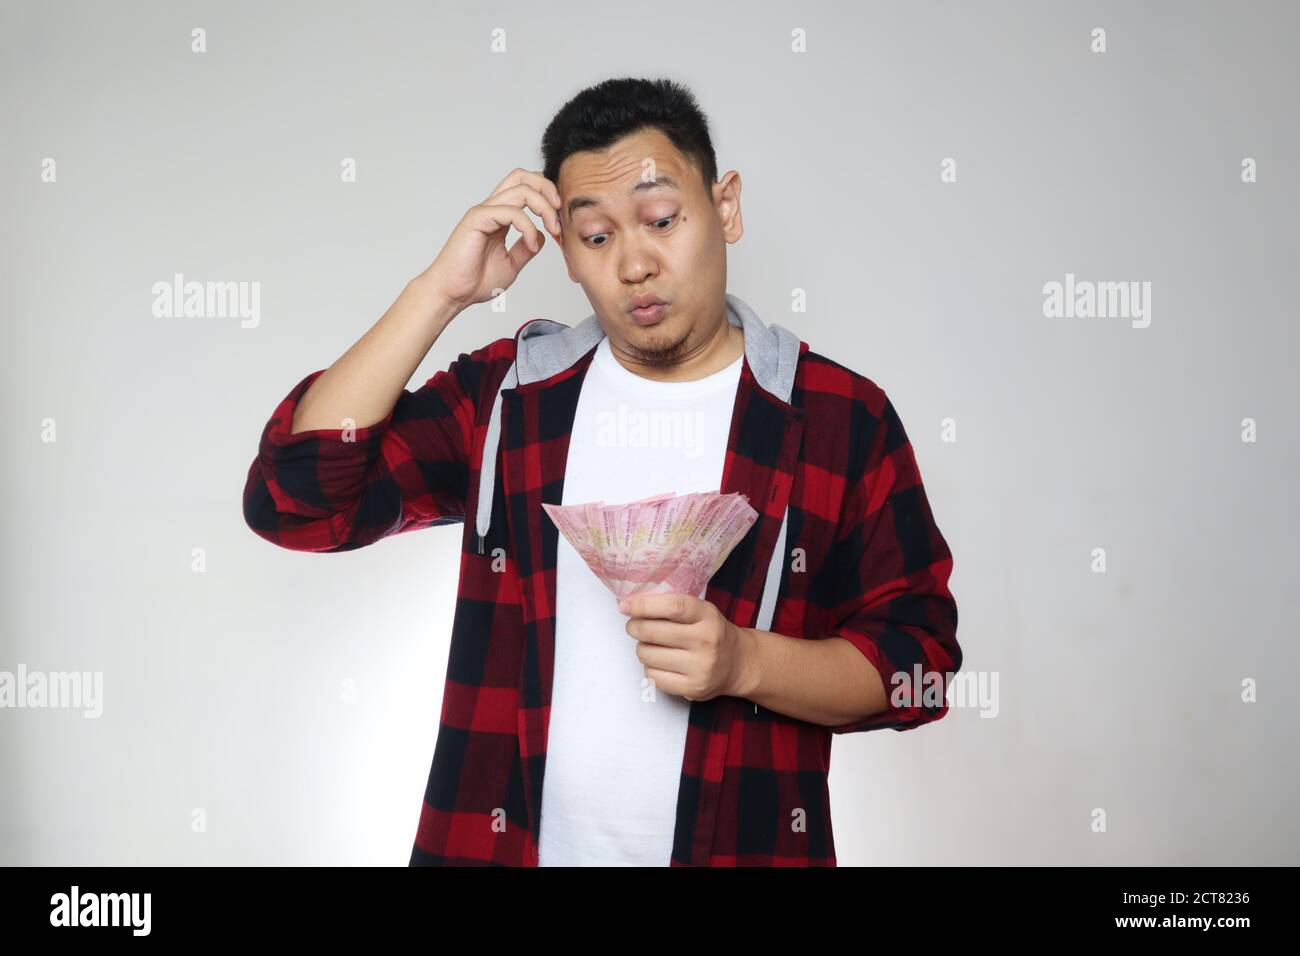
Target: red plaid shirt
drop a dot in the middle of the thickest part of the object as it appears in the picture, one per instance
(863, 560)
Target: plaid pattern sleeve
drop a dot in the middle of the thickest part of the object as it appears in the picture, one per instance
(337, 489)
(894, 566)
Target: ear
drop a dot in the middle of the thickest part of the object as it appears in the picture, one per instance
(726, 200)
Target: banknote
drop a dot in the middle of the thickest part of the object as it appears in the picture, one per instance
(664, 543)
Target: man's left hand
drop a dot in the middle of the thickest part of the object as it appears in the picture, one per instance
(688, 647)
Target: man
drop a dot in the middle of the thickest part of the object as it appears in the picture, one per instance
(674, 729)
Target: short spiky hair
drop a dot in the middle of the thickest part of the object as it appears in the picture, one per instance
(612, 109)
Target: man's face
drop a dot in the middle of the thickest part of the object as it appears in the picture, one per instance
(638, 220)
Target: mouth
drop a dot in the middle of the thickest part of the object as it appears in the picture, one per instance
(647, 309)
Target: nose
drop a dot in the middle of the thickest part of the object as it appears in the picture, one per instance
(637, 261)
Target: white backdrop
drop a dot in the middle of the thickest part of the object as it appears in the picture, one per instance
(279, 707)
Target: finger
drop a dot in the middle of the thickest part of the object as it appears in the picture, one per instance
(670, 660)
(525, 195)
(532, 178)
(668, 682)
(519, 254)
(515, 216)
(652, 630)
(683, 608)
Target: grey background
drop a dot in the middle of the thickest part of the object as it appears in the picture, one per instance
(223, 690)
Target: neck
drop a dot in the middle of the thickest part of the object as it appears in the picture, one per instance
(718, 347)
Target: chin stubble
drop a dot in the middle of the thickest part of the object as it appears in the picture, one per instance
(659, 356)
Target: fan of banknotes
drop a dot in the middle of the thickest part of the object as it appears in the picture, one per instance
(664, 543)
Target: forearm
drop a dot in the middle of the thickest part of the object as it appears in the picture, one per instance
(826, 681)
(364, 383)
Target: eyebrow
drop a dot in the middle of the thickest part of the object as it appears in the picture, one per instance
(661, 181)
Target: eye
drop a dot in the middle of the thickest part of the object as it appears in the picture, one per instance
(665, 219)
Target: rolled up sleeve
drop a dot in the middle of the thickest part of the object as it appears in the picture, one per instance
(894, 565)
(337, 489)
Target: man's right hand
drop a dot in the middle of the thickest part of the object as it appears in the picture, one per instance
(364, 385)
(474, 264)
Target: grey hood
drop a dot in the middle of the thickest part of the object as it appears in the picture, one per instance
(545, 347)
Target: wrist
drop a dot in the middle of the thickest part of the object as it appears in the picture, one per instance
(749, 678)
(433, 302)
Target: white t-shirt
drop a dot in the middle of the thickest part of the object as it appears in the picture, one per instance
(615, 744)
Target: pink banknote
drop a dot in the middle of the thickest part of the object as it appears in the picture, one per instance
(664, 543)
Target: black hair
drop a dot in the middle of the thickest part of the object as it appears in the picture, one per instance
(602, 114)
